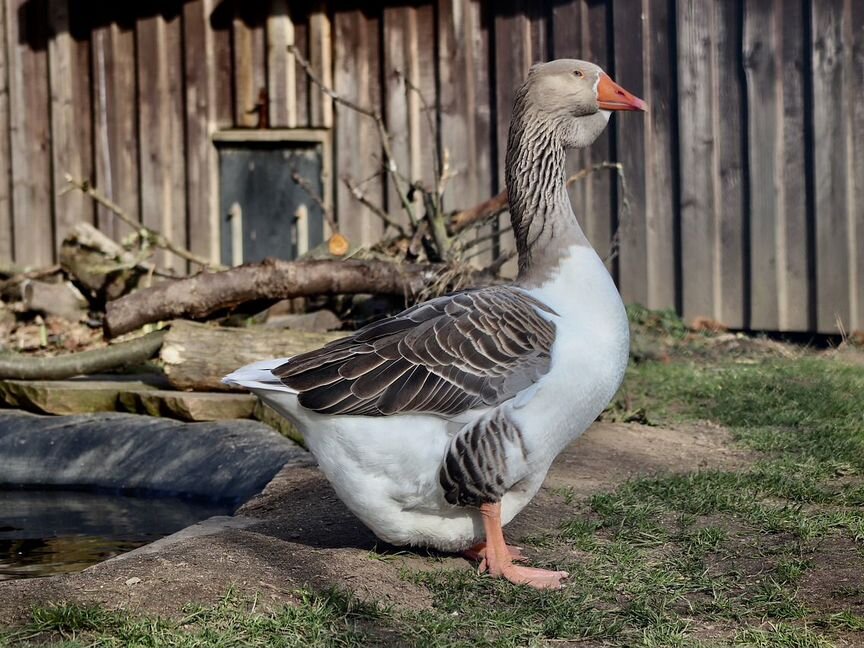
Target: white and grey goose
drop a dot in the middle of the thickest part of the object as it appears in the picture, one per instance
(438, 425)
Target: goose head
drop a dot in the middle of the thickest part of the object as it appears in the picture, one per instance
(572, 99)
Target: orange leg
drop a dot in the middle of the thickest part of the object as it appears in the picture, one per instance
(499, 561)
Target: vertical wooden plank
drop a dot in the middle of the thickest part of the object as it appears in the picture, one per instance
(513, 58)
(855, 112)
(300, 19)
(399, 29)
(778, 231)
(698, 160)
(660, 128)
(71, 120)
(633, 280)
(710, 158)
(115, 137)
(203, 118)
(408, 48)
(30, 140)
(6, 248)
(598, 208)
(357, 71)
(765, 118)
(729, 219)
(249, 66)
(320, 58)
(464, 100)
(793, 268)
(831, 158)
(161, 160)
(281, 67)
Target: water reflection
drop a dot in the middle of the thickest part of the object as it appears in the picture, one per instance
(56, 531)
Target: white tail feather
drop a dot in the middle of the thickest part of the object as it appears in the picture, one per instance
(259, 375)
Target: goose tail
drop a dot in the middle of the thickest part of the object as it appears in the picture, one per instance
(259, 376)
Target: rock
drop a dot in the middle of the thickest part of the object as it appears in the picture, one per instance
(189, 406)
(101, 268)
(58, 299)
(83, 396)
(67, 396)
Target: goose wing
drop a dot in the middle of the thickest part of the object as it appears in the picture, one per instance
(473, 348)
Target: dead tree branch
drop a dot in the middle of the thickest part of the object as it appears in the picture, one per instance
(361, 197)
(303, 183)
(206, 293)
(156, 238)
(498, 204)
(87, 362)
(41, 273)
(383, 133)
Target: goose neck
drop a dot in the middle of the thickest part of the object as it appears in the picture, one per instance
(543, 222)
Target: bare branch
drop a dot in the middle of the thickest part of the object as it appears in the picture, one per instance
(428, 112)
(497, 204)
(303, 183)
(375, 209)
(25, 276)
(481, 212)
(487, 237)
(383, 133)
(156, 238)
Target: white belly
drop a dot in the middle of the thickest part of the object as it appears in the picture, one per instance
(388, 476)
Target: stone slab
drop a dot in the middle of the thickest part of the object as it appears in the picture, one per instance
(88, 396)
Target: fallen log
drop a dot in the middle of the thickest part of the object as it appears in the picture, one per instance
(83, 363)
(206, 293)
(195, 356)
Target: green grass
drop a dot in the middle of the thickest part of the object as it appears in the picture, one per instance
(697, 559)
(331, 618)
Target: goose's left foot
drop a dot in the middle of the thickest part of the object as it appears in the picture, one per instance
(477, 553)
(499, 561)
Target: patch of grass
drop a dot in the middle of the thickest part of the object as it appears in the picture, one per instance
(808, 408)
(332, 618)
(781, 636)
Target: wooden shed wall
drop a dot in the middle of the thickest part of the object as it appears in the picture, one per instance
(744, 186)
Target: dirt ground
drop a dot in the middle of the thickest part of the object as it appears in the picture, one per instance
(298, 534)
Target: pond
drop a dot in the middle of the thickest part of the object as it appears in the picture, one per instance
(44, 532)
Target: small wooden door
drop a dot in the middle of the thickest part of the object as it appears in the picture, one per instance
(264, 211)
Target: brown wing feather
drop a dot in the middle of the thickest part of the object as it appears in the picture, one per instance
(470, 349)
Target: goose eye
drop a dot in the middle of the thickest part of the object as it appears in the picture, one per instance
(577, 74)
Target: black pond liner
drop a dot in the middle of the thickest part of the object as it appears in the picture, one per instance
(76, 490)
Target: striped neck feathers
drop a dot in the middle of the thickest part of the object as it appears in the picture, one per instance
(543, 221)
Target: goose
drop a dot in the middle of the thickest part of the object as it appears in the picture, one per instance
(438, 425)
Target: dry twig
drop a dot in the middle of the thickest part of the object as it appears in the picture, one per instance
(375, 209)
(156, 238)
(383, 133)
(303, 183)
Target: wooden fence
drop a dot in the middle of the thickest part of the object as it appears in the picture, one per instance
(744, 192)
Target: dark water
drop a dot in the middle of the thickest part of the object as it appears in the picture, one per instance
(46, 532)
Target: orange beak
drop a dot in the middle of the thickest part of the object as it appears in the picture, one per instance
(611, 96)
